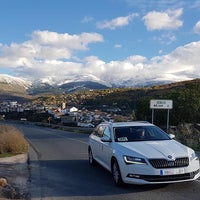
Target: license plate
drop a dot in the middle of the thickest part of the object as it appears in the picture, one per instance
(165, 172)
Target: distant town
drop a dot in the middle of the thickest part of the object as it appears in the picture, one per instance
(62, 114)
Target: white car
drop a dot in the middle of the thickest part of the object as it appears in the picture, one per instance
(141, 153)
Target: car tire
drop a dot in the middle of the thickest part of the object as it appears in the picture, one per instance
(91, 159)
(116, 173)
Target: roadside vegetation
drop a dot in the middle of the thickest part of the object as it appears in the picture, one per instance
(12, 141)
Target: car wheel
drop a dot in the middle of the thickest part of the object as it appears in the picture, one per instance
(91, 159)
(116, 173)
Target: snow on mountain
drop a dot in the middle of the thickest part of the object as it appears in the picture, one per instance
(70, 83)
(82, 78)
(11, 80)
(55, 81)
(73, 82)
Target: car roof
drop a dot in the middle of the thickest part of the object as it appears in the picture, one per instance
(125, 124)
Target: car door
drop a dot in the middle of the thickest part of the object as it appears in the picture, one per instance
(106, 148)
(95, 142)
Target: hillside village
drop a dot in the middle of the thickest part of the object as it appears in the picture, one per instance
(60, 114)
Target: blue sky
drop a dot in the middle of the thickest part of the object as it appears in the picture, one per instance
(109, 40)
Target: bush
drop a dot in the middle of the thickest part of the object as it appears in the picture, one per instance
(12, 140)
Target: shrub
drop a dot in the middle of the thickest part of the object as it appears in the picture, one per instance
(12, 140)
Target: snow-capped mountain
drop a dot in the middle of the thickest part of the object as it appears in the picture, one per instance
(51, 82)
(14, 81)
(73, 78)
(12, 88)
(69, 84)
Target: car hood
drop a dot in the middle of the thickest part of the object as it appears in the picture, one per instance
(156, 149)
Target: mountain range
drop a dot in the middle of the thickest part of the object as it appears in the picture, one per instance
(12, 87)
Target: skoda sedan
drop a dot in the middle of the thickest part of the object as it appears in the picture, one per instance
(141, 153)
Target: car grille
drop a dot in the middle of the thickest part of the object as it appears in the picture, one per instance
(163, 163)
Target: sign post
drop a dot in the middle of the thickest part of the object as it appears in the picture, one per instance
(161, 104)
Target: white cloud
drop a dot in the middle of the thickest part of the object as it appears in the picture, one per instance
(49, 45)
(42, 57)
(117, 22)
(46, 54)
(77, 42)
(167, 20)
(181, 64)
(197, 27)
(136, 59)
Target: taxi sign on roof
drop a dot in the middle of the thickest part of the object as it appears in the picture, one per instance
(161, 104)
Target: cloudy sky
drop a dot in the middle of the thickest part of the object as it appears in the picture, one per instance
(112, 40)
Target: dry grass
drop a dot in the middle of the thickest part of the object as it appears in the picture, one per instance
(12, 140)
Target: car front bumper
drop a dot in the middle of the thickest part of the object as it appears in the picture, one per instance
(146, 174)
(158, 179)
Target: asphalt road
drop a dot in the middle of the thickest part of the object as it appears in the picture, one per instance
(60, 170)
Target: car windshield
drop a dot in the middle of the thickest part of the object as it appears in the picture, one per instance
(139, 133)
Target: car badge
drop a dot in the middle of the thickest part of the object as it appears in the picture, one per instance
(169, 156)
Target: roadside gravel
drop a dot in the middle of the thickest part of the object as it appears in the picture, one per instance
(15, 170)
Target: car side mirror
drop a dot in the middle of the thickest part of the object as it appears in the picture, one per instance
(106, 139)
(172, 136)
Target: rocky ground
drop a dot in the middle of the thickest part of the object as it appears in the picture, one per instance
(14, 178)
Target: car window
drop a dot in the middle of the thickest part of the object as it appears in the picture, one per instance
(106, 132)
(122, 134)
(139, 133)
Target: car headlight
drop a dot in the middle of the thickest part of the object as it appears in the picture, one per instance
(193, 156)
(134, 160)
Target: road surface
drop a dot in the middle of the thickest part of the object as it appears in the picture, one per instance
(60, 171)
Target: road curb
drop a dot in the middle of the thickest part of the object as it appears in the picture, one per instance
(21, 158)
